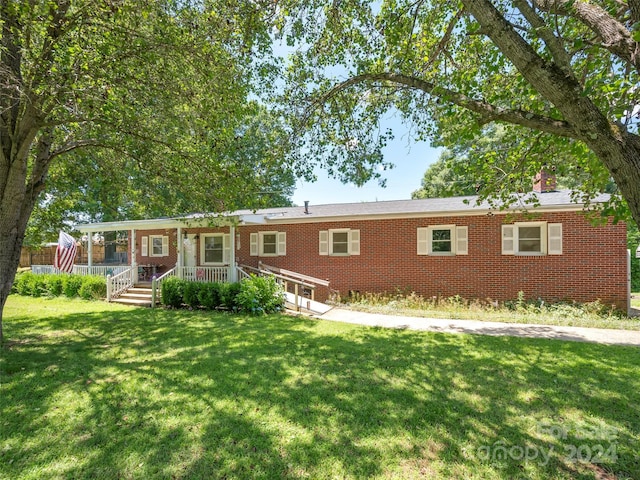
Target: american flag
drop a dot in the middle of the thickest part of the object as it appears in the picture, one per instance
(65, 253)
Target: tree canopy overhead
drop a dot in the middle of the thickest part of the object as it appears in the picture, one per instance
(154, 92)
(562, 74)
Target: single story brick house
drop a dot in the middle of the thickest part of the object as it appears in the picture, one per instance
(434, 247)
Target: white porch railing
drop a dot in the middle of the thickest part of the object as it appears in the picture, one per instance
(43, 269)
(241, 273)
(119, 283)
(100, 270)
(156, 285)
(204, 274)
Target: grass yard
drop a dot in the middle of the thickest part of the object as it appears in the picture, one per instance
(590, 315)
(93, 390)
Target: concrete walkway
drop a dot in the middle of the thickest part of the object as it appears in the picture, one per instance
(576, 334)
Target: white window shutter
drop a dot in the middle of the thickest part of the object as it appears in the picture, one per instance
(226, 248)
(354, 242)
(462, 241)
(253, 245)
(555, 238)
(282, 243)
(508, 239)
(165, 246)
(324, 242)
(144, 246)
(423, 243)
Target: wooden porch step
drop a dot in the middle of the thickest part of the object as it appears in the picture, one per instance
(132, 301)
(137, 295)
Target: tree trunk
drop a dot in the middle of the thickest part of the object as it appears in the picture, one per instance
(618, 149)
(18, 195)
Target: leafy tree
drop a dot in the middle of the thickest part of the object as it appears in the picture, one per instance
(561, 75)
(440, 180)
(157, 88)
(455, 173)
(91, 187)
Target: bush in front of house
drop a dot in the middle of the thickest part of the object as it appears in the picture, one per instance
(228, 295)
(260, 295)
(54, 285)
(191, 293)
(93, 288)
(30, 284)
(209, 295)
(71, 285)
(255, 295)
(22, 283)
(172, 292)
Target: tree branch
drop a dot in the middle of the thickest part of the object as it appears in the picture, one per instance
(554, 44)
(488, 113)
(615, 36)
(445, 39)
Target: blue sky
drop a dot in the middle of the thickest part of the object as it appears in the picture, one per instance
(410, 159)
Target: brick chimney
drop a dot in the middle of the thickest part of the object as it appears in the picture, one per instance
(544, 182)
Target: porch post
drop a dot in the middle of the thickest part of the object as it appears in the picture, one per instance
(179, 247)
(89, 250)
(134, 262)
(233, 278)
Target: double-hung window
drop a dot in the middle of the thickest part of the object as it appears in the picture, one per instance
(268, 244)
(532, 238)
(155, 246)
(443, 240)
(339, 242)
(214, 249)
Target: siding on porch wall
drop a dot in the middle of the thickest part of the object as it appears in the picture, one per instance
(591, 267)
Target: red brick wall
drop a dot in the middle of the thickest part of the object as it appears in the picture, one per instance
(162, 263)
(592, 266)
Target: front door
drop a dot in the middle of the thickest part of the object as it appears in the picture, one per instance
(190, 251)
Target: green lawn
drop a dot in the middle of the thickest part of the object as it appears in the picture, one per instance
(93, 390)
(590, 315)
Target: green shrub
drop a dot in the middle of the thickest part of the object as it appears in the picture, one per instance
(191, 293)
(71, 285)
(260, 295)
(54, 284)
(22, 283)
(172, 292)
(228, 294)
(93, 288)
(209, 295)
(39, 286)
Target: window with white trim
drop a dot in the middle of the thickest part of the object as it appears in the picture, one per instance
(339, 242)
(532, 238)
(268, 244)
(443, 240)
(214, 249)
(158, 246)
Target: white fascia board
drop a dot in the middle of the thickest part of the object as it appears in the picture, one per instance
(158, 223)
(388, 216)
(129, 225)
(253, 219)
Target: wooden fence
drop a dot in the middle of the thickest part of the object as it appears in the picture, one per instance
(45, 255)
